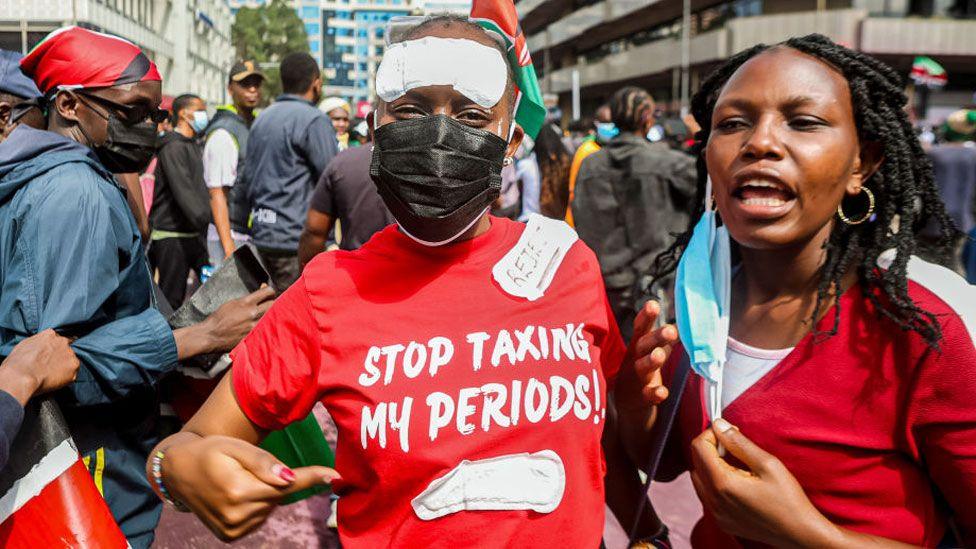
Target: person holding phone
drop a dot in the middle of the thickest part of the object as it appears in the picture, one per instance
(72, 259)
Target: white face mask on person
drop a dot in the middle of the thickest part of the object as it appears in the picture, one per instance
(702, 297)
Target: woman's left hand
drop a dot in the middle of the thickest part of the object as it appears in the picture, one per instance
(764, 502)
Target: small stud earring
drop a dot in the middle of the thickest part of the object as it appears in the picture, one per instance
(508, 161)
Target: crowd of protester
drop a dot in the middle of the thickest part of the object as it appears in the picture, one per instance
(792, 232)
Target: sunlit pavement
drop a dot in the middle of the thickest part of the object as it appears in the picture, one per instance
(302, 525)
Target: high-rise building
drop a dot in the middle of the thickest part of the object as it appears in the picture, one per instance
(606, 44)
(189, 40)
(347, 37)
(353, 37)
(436, 7)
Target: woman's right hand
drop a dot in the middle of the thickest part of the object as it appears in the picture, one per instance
(232, 485)
(640, 385)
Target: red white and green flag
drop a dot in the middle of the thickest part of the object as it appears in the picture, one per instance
(47, 497)
(499, 16)
(925, 71)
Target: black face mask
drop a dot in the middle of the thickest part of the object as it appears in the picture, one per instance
(128, 148)
(436, 175)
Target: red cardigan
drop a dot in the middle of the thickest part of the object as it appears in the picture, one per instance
(879, 429)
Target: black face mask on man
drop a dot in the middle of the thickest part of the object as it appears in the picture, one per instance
(436, 175)
(128, 148)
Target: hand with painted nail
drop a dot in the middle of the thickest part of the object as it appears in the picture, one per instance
(763, 502)
(231, 485)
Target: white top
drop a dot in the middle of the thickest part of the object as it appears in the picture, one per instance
(220, 170)
(744, 366)
(220, 160)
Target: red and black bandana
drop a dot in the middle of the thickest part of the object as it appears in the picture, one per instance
(73, 57)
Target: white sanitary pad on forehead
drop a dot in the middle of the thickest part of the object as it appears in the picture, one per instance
(477, 71)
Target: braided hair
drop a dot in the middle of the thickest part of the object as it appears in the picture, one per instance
(903, 186)
(629, 108)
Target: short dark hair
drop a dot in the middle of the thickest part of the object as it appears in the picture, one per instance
(582, 125)
(298, 70)
(180, 103)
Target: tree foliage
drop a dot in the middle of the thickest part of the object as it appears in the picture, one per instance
(267, 34)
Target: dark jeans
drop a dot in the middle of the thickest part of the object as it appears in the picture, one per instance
(283, 267)
(174, 258)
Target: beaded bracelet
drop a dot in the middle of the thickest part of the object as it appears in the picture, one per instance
(157, 472)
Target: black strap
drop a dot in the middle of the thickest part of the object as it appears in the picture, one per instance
(666, 414)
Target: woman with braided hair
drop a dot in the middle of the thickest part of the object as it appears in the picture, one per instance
(836, 408)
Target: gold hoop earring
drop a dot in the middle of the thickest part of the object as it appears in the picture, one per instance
(867, 215)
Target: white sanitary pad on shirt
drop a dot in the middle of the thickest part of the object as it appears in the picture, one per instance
(533, 482)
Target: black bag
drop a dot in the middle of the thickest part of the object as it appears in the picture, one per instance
(240, 275)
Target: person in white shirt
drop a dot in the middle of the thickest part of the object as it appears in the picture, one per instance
(225, 143)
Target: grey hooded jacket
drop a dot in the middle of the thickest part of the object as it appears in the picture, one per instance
(631, 198)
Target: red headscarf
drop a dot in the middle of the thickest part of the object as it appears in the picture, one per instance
(73, 57)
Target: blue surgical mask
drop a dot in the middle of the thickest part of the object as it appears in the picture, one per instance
(605, 131)
(200, 121)
(702, 296)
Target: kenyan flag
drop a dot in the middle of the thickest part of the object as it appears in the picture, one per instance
(47, 497)
(927, 72)
(499, 16)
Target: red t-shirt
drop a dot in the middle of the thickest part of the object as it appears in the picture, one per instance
(878, 428)
(419, 356)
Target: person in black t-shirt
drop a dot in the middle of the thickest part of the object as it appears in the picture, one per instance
(344, 192)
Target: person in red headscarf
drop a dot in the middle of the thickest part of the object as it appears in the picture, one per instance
(71, 258)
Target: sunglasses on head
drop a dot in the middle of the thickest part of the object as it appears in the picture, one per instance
(131, 114)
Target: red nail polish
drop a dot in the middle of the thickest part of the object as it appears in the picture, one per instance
(287, 474)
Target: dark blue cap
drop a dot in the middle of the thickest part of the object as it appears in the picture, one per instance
(12, 80)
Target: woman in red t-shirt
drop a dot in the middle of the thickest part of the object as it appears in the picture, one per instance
(465, 359)
(846, 404)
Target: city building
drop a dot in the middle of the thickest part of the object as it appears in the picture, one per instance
(605, 44)
(437, 7)
(347, 38)
(352, 39)
(189, 40)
